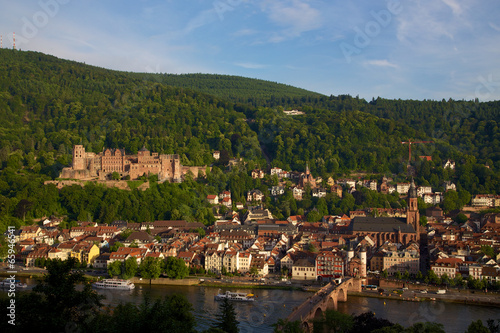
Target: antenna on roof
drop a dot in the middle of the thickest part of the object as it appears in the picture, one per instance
(14, 35)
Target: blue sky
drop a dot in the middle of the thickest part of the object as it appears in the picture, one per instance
(427, 49)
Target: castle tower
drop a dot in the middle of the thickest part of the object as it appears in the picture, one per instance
(78, 157)
(176, 168)
(412, 214)
(142, 155)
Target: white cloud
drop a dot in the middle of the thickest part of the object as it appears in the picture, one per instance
(205, 17)
(429, 21)
(245, 32)
(295, 16)
(494, 26)
(381, 63)
(454, 5)
(250, 65)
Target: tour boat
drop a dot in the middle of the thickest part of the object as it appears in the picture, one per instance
(7, 283)
(114, 284)
(242, 297)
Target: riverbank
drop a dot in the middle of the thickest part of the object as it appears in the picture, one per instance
(190, 281)
(248, 286)
(464, 298)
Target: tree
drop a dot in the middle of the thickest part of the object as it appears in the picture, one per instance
(115, 268)
(432, 277)
(459, 280)
(254, 271)
(445, 279)
(115, 246)
(396, 328)
(170, 314)
(423, 220)
(285, 326)
(226, 318)
(461, 218)
(4, 248)
(311, 247)
(175, 268)
(488, 250)
(367, 322)
(115, 176)
(314, 216)
(150, 268)
(333, 321)
(58, 302)
(451, 201)
(284, 271)
(494, 328)
(130, 268)
(427, 327)
(23, 207)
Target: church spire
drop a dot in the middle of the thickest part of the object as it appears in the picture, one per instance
(412, 192)
(412, 214)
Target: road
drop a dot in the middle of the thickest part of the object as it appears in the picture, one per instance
(450, 295)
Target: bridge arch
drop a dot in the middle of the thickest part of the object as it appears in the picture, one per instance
(342, 294)
(331, 303)
(326, 298)
(318, 313)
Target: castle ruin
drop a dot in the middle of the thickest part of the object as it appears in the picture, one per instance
(88, 165)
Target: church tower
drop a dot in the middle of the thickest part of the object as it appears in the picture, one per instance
(307, 178)
(412, 214)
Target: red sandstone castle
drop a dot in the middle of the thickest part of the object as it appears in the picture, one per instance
(102, 165)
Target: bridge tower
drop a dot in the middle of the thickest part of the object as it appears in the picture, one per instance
(362, 258)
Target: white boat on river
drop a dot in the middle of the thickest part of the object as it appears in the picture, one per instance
(8, 283)
(241, 297)
(114, 284)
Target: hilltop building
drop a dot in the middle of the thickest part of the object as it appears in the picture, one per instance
(88, 165)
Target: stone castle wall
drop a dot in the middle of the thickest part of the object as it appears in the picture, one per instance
(102, 165)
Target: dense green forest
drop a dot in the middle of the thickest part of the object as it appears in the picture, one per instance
(47, 105)
(234, 88)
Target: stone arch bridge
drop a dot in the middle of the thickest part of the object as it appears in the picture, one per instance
(324, 299)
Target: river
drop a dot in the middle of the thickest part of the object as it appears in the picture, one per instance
(271, 305)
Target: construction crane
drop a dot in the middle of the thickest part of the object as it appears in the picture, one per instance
(409, 143)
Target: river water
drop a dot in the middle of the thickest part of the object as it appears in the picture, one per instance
(271, 305)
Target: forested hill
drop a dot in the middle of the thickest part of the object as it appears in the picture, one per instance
(238, 89)
(47, 105)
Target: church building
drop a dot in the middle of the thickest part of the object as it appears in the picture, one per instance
(396, 230)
